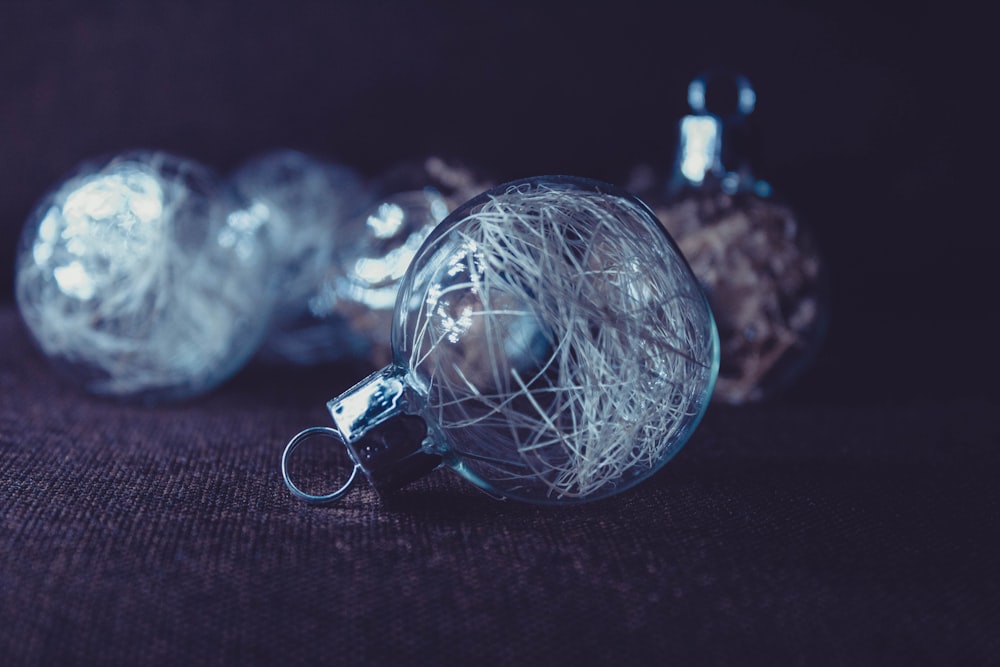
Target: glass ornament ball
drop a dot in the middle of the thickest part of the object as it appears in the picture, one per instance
(551, 342)
(142, 276)
(307, 204)
(376, 247)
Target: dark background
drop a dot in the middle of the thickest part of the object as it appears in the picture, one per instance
(872, 119)
(850, 521)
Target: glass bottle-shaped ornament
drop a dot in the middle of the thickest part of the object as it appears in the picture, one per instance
(760, 268)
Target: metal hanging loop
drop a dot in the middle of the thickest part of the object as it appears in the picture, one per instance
(287, 454)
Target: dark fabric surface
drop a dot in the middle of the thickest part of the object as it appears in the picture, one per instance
(792, 534)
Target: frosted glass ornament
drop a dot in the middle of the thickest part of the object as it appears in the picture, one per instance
(550, 344)
(307, 204)
(376, 248)
(760, 266)
(142, 276)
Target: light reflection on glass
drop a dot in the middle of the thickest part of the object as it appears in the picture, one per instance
(133, 276)
(241, 230)
(74, 280)
(386, 222)
(103, 229)
(700, 147)
(372, 268)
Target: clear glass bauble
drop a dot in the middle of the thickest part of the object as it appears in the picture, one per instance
(143, 276)
(552, 339)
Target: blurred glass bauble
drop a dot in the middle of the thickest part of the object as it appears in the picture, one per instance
(308, 204)
(143, 276)
(372, 255)
(549, 344)
(759, 265)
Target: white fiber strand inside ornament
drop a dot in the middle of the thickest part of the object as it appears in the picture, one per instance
(588, 349)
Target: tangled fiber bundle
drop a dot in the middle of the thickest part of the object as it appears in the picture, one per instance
(564, 348)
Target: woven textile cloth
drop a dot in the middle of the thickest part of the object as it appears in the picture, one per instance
(787, 534)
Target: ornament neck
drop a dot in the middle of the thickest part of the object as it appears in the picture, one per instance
(713, 142)
(384, 439)
(374, 400)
